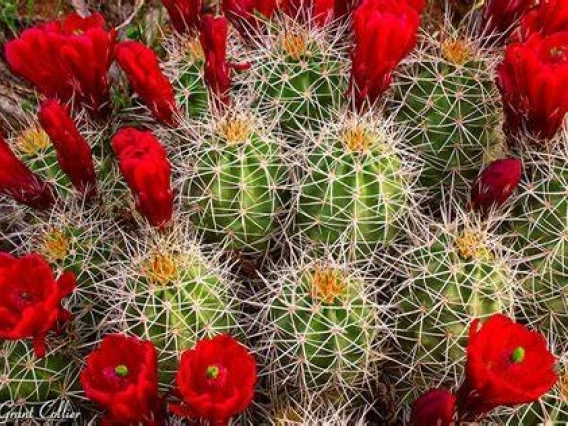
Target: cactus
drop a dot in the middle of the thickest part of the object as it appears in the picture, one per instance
(237, 185)
(453, 273)
(447, 97)
(172, 294)
(355, 185)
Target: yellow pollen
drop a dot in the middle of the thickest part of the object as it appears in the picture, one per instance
(295, 44)
(456, 51)
(195, 50)
(33, 140)
(161, 268)
(470, 245)
(327, 285)
(55, 246)
(357, 139)
(235, 130)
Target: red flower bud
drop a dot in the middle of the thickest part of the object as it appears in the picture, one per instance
(184, 14)
(30, 299)
(122, 377)
(318, 12)
(500, 16)
(140, 63)
(385, 32)
(217, 70)
(506, 365)
(144, 164)
(547, 18)
(73, 151)
(216, 380)
(247, 15)
(20, 183)
(531, 81)
(67, 59)
(495, 184)
(435, 408)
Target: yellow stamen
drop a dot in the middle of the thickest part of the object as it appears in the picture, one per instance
(161, 268)
(327, 285)
(470, 245)
(295, 44)
(236, 130)
(357, 138)
(456, 51)
(33, 140)
(55, 245)
(195, 50)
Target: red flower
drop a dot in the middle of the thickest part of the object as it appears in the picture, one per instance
(344, 8)
(216, 380)
(144, 164)
(385, 32)
(30, 299)
(20, 183)
(122, 377)
(495, 184)
(66, 59)
(506, 365)
(73, 151)
(531, 80)
(435, 408)
(247, 15)
(141, 65)
(500, 16)
(549, 17)
(318, 12)
(184, 14)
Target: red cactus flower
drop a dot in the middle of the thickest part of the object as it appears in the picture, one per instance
(500, 16)
(385, 32)
(216, 380)
(144, 164)
(435, 408)
(247, 15)
(30, 299)
(549, 17)
(507, 365)
(122, 377)
(184, 14)
(66, 59)
(140, 63)
(344, 8)
(318, 12)
(495, 184)
(531, 80)
(20, 183)
(73, 151)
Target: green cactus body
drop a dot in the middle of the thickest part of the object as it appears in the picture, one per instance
(324, 329)
(24, 377)
(448, 102)
(451, 281)
(354, 189)
(238, 189)
(177, 301)
(299, 78)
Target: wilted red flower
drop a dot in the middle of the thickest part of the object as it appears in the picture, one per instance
(66, 59)
(20, 183)
(144, 164)
(507, 365)
(184, 14)
(495, 184)
(73, 151)
(385, 32)
(247, 15)
(500, 16)
(547, 18)
(435, 408)
(216, 380)
(531, 80)
(122, 377)
(318, 12)
(140, 63)
(30, 299)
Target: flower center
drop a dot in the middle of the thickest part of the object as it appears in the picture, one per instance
(295, 44)
(55, 245)
(121, 370)
(357, 138)
(456, 51)
(235, 130)
(33, 140)
(195, 50)
(212, 372)
(470, 245)
(161, 268)
(518, 355)
(327, 285)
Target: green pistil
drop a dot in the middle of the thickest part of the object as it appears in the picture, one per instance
(212, 372)
(121, 370)
(518, 355)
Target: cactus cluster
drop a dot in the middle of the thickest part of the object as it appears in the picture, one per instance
(289, 213)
